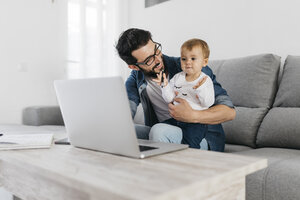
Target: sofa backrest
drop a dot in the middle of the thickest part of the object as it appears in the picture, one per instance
(281, 126)
(42, 115)
(251, 82)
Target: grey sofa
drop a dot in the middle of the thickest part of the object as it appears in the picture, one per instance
(267, 124)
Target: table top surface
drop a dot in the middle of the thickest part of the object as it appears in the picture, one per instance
(119, 176)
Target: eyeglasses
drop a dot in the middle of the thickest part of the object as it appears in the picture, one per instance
(150, 59)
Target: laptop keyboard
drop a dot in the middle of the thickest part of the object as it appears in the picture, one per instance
(146, 148)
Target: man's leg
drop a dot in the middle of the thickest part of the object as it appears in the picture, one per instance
(142, 131)
(165, 133)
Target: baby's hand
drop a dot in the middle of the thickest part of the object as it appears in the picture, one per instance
(161, 79)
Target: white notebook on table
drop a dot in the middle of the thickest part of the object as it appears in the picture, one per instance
(25, 141)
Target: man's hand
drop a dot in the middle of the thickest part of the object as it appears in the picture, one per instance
(214, 115)
(200, 82)
(161, 76)
(182, 111)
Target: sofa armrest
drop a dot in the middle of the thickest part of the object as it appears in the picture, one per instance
(42, 115)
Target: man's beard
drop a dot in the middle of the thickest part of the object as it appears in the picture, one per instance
(152, 73)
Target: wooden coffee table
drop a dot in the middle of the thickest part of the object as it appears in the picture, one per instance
(65, 172)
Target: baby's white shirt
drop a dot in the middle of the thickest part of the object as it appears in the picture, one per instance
(205, 93)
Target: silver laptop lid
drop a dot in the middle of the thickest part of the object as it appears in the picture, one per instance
(97, 115)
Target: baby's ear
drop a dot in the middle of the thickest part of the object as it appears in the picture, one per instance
(205, 62)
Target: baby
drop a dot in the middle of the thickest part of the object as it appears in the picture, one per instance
(192, 85)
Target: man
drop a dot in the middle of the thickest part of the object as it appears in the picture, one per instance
(144, 57)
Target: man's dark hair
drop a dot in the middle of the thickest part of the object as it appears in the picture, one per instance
(130, 40)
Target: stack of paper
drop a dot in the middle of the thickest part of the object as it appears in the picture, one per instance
(25, 141)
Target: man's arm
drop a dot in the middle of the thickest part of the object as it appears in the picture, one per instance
(214, 115)
(132, 92)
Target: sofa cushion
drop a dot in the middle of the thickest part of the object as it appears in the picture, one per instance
(230, 148)
(42, 115)
(280, 128)
(280, 180)
(243, 129)
(288, 94)
(250, 81)
(272, 154)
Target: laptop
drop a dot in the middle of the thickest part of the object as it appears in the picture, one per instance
(97, 116)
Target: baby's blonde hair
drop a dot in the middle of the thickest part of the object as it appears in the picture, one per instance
(190, 44)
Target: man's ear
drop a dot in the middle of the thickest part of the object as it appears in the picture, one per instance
(133, 67)
(205, 62)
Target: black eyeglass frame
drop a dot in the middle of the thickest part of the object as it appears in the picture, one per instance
(157, 47)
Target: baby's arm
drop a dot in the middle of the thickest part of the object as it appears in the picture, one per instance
(206, 93)
(168, 93)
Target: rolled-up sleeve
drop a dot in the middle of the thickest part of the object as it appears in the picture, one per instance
(223, 100)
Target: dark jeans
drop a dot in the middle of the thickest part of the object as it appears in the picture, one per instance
(193, 133)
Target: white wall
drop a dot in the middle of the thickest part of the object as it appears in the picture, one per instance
(32, 54)
(94, 27)
(33, 38)
(232, 28)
